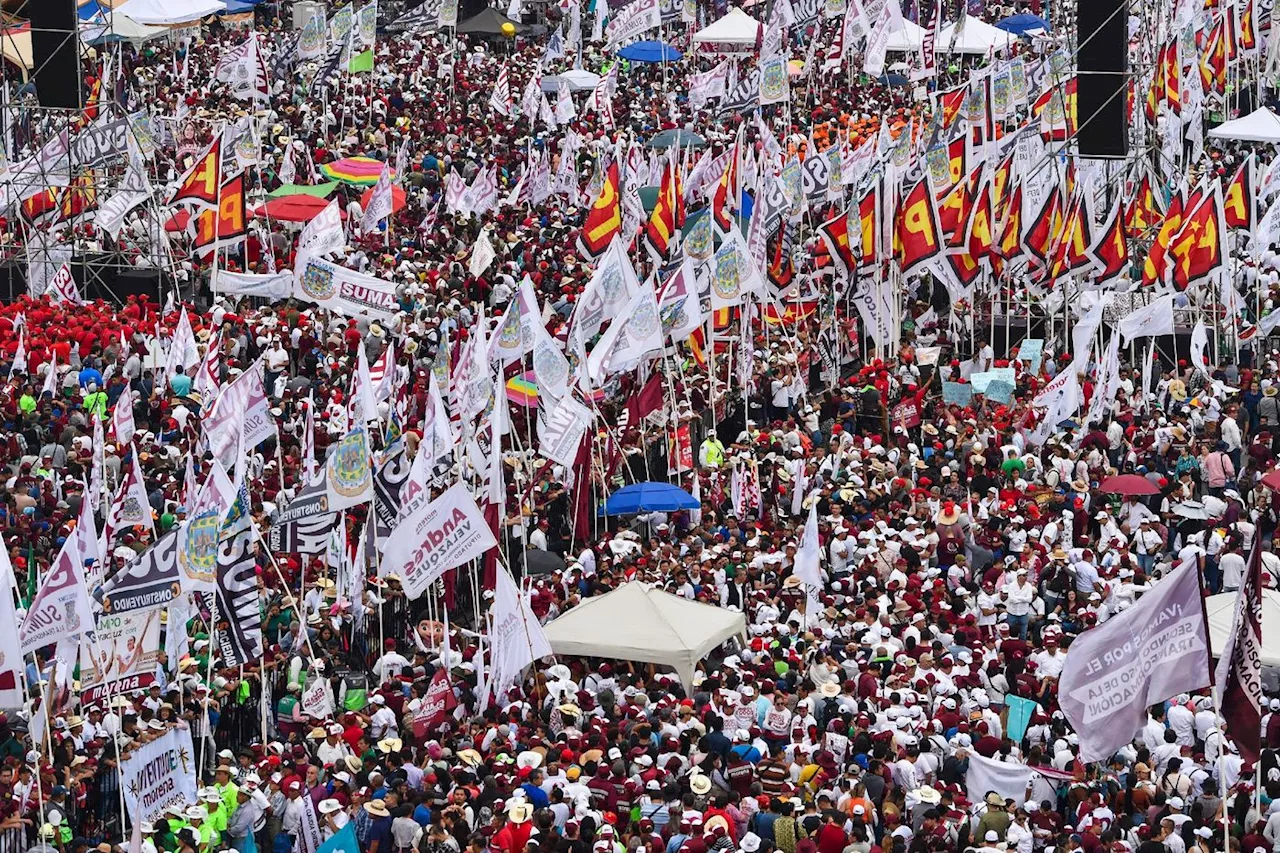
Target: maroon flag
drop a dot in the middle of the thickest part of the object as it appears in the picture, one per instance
(438, 702)
(1239, 673)
(645, 401)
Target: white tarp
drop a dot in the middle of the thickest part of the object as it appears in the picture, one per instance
(113, 24)
(637, 623)
(168, 11)
(1220, 609)
(737, 27)
(1261, 125)
(976, 38)
(907, 39)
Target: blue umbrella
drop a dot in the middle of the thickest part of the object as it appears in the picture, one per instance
(650, 51)
(1023, 24)
(648, 497)
(677, 137)
(892, 80)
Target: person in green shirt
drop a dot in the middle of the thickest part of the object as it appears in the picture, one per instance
(1013, 465)
(27, 402)
(95, 401)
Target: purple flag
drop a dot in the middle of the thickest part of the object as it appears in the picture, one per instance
(1156, 649)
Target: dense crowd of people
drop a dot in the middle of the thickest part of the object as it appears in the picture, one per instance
(965, 543)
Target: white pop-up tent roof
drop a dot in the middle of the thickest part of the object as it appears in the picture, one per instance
(169, 11)
(1261, 125)
(907, 39)
(975, 38)
(637, 623)
(1221, 609)
(736, 27)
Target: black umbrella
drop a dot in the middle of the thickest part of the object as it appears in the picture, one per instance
(541, 562)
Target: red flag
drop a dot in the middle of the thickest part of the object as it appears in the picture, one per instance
(1240, 667)
(200, 183)
(436, 704)
(604, 220)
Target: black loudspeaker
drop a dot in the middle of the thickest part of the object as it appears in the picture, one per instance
(1102, 68)
(55, 54)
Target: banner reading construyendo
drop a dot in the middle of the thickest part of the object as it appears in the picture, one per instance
(436, 537)
(1114, 672)
(159, 773)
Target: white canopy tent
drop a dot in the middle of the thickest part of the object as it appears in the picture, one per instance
(736, 29)
(976, 38)
(1221, 609)
(1261, 125)
(168, 11)
(907, 39)
(635, 622)
(114, 24)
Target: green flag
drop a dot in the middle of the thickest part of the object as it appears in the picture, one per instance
(361, 62)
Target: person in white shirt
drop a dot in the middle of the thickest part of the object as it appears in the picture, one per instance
(1231, 565)
(1183, 721)
(390, 664)
(383, 719)
(1017, 598)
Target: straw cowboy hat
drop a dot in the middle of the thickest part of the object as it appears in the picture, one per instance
(520, 811)
(829, 689)
(377, 808)
(390, 744)
(700, 784)
(949, 514)
(530, 759)
(470, 757)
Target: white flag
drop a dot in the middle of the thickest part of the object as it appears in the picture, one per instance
(19, 363)
(61, 607)
(10, 647)
(122, 416)
(482, 254)
(380, 202)
(1199, 347)
(50, 386)
(1151, 320)
(809, 554)
(518, 638)
(184, 352)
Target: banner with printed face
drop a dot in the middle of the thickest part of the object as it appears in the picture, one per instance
(121, 654)
(348, 292)
(158, 774)
(1114, 672)
(436, 537)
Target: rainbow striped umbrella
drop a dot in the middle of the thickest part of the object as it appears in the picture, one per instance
(360, 171)
(523, 389)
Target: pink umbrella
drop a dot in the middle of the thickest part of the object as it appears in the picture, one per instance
(1128, 484)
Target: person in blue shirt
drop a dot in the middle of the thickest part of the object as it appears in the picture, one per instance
(180, 383)
(533, 790)
(90, 375)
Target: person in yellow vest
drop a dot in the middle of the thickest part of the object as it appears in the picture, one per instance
(226, 788)
(219, 814)
(199, 818)
(711, 453)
